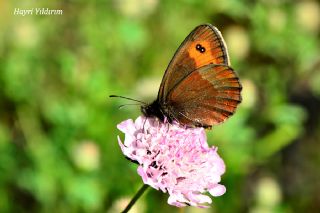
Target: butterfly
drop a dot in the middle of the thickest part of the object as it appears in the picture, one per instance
(199, 88)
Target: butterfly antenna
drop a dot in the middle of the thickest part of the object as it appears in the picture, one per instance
(131, 99)
(123, 105)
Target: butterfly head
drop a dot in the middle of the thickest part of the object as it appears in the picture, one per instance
(153, 110)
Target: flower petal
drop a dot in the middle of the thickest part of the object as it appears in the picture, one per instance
(218, 190)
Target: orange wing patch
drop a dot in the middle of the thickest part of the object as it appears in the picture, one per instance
(208, 47)
(199, 53)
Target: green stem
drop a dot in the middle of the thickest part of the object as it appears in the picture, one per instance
(135, 198)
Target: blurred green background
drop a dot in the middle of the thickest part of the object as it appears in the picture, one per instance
(58, 135)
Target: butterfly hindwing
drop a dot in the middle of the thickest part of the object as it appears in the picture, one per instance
(204, 45)
(207, 96)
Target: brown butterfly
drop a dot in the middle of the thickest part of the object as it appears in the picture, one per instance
(199, 88)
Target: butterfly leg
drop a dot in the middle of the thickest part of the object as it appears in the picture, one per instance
(197, 124)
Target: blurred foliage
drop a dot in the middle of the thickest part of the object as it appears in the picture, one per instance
(58, 136)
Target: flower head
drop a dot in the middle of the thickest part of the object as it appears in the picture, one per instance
(174, 159)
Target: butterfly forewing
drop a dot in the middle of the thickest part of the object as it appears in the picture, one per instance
(206, 97)
(203, 46)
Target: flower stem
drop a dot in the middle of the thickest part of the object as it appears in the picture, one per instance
(135, 198)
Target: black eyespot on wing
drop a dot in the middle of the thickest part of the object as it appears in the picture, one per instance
(200, 48)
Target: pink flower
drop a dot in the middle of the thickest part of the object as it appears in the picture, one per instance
(174, 159)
